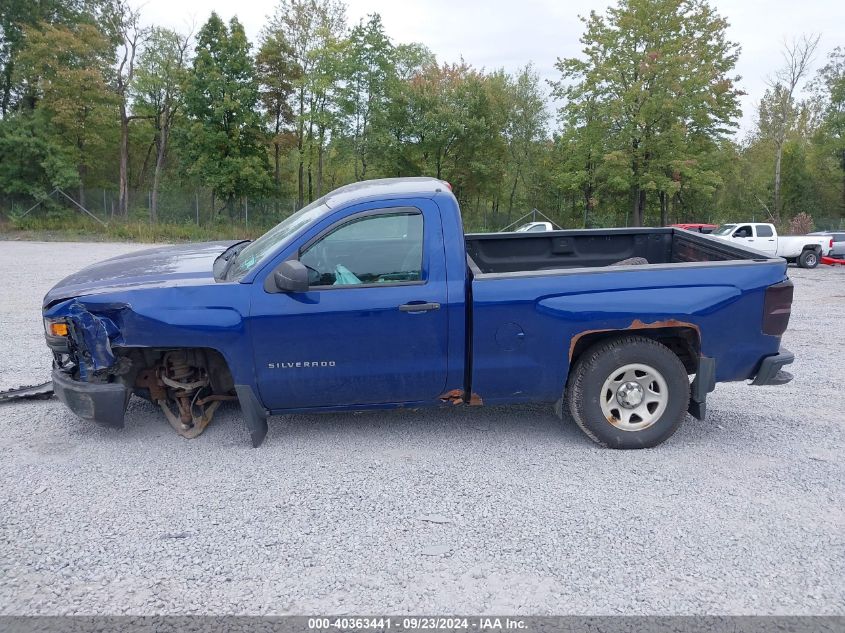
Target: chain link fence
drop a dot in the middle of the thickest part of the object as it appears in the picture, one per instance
(829, 224)
(197, 207)
(174, 206)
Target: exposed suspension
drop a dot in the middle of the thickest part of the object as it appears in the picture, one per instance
(177, 381)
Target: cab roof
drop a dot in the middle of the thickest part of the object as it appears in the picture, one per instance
(384, 189)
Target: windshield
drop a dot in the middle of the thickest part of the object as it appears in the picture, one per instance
(724, 229)
(255, 252)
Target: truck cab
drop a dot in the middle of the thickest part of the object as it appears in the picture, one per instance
(759, 236)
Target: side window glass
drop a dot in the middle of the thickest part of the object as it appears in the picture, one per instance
(743, 231)
(764, 231)
(370, 250)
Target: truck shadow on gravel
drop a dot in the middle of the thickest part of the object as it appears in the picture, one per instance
(528, 424)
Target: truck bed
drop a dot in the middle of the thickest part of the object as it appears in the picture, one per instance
(530, 290)
(495, 253)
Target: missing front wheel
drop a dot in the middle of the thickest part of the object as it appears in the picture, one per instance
(182, 386)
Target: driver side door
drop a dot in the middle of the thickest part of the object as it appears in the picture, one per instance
(743, 234)
(372, 326)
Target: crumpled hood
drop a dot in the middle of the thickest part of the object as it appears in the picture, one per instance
(160, 267)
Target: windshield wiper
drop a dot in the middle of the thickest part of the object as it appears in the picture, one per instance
(230, 255)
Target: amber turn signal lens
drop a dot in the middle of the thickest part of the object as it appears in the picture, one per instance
(58, 329)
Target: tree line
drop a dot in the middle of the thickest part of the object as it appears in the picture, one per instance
(640, 127)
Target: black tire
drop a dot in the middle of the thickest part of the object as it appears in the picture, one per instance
(598, 364)
(809, 259)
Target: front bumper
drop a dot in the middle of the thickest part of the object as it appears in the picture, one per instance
(102, 403)
(771, 372)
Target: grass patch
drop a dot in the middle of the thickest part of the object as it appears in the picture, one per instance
(75, 227)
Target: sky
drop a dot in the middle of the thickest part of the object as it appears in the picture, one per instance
(508, 34)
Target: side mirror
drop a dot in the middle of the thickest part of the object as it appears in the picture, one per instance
(291, 276)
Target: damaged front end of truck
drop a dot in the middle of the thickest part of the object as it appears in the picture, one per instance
(96, 369)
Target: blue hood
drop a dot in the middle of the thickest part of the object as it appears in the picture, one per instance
(182, 264)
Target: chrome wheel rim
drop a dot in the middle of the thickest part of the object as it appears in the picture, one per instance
(634, 397)
(811, 259)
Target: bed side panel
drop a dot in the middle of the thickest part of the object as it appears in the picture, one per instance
(524, 326)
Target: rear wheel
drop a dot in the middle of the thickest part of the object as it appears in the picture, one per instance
(629, 392)
(808, 259)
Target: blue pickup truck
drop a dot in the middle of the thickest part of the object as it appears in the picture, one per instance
(373, 297)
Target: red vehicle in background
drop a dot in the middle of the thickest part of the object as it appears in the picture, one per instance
(698, 228)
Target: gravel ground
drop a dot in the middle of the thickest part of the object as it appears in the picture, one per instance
(498, 510)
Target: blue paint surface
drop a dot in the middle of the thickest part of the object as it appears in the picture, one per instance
(351, 347)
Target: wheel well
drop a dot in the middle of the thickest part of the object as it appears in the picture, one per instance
(684, 341)
(188, 384)
(811, 247)
(206, 358)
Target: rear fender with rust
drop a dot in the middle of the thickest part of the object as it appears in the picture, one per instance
(720, 310)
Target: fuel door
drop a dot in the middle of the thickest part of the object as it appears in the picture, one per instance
(510, 337)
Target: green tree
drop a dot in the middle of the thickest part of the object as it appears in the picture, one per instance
(799, 187)
(830, 87)
(479, 164)
(323, 113)
(779, 111)
(581, 147)
(123, 23)
(223, 141)
(16, 16)
(392, 150)
(308, 26)
(437, 115)
(368, 67)
(277, 71)
(525, 126)
(65, 70)
(158, 86)
(655, 72)
(33, 163)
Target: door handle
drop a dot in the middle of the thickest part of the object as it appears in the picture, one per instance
(419, 307)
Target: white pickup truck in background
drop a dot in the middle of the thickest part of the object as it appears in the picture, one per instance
(535, 227)
(806, 250)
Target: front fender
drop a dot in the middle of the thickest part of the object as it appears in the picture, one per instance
(210, 316)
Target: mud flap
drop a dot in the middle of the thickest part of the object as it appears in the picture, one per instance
(704, 383)
(255, 415)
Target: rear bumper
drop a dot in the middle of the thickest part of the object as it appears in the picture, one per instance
(771, 372)
(103, 404)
